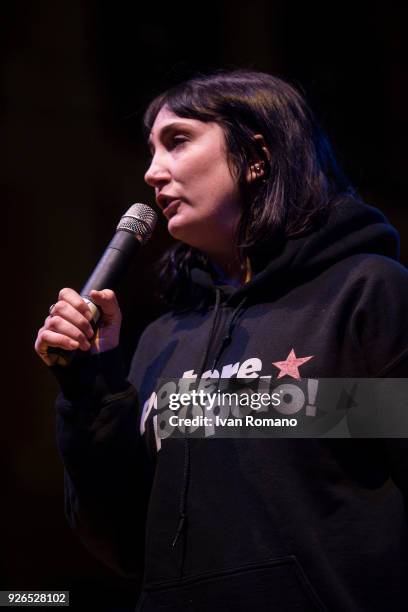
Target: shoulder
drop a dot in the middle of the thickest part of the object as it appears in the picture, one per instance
(378, 320)
(373, 283)
(368, 273)
(377, 274)
(377, 265)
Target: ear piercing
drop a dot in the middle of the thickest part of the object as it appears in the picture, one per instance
(258, 167)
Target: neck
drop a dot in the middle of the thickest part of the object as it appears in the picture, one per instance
(232, 271)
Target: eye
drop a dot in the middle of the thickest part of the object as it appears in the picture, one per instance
(177, 141)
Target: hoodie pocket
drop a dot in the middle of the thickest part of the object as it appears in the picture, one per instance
(276, 585)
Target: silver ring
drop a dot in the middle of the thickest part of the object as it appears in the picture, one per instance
(50, 309)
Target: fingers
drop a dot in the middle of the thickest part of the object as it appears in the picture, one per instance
(68, 326)
(61, 334)
(107, 302)
(46, 339)
(73, 298)
(81, 332)
(64, 312)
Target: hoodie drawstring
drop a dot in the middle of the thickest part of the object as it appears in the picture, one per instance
(186, 470)
(224, 342)
(227, 338)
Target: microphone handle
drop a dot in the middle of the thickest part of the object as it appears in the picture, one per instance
(113, 262)
(107, 273)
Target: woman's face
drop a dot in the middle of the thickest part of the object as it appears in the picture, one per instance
(193, 183)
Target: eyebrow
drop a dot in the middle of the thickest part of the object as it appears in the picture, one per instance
(167, 128)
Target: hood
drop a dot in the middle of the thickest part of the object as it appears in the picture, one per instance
(351, 228)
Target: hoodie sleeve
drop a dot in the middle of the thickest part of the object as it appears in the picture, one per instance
(380, 331)
(379, 323)
(106, 480)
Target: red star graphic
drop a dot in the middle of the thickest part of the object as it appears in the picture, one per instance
(291, 365)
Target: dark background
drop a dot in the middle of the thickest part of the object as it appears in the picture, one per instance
(75, 78)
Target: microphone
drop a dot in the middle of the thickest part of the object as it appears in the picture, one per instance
(133, 231)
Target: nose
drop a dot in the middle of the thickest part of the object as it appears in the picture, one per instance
(157, 173)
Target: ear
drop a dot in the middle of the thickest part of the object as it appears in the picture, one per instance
(261, 155)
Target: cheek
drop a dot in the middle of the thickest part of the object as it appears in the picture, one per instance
(219, 180)
(209, 166)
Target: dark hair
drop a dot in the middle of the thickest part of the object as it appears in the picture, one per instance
(301, 177)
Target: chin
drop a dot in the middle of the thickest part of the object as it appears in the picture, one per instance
(174, 229)
(187, 237)
(178, 228)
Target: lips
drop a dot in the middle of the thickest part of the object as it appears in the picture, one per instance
(171, 209)
(168, 204)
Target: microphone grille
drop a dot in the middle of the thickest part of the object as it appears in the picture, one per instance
(140, 220)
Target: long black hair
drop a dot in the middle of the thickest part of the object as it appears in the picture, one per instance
(301, 177)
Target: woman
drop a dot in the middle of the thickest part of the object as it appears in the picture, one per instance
(279, 271)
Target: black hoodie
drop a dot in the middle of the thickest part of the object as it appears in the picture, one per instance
(266, 524)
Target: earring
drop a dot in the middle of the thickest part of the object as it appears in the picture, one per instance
(258, 168)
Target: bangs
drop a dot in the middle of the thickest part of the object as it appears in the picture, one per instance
(185, 100)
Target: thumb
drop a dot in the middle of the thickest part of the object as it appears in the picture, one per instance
(108, 303)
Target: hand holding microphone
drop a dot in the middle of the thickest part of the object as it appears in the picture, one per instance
(91, 320)
(68, 327)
